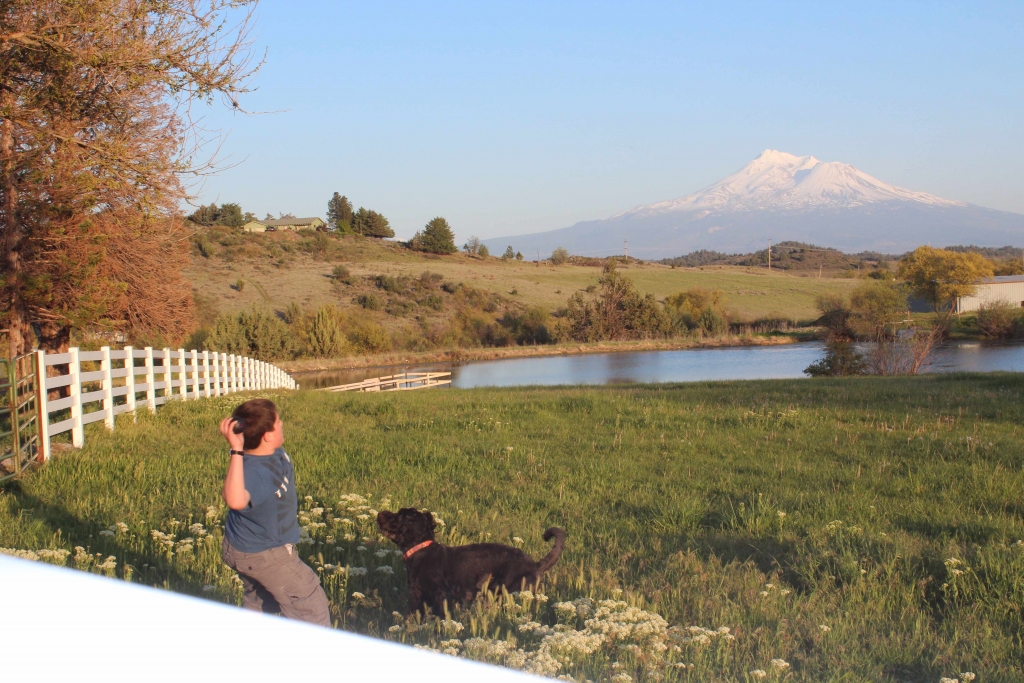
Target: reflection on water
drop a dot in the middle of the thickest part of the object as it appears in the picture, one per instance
(690, 365)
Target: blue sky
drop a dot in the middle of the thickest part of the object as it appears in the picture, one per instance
(514, 118)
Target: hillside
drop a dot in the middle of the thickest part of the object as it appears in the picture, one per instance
(278, 269)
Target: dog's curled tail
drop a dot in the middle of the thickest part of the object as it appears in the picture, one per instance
(548, 561)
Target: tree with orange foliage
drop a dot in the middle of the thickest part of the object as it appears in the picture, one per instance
(95, 135)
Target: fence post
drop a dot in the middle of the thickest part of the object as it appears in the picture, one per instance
(195, 374)
(42, 412)
(166, 362)
(108, 389)
(75, 391)
(245, 373)
(216, 360)
(150, 381)
(182, 375)
(129, 378)
(206, 374)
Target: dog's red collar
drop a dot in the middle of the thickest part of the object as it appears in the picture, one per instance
(415, 549)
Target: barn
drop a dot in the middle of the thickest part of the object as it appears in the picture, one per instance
(1002, 289)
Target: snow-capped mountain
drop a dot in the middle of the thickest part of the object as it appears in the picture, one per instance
(785, 197)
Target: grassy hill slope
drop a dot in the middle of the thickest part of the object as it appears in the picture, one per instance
(278, 269)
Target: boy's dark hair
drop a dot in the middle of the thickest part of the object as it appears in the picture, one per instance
(254, 419)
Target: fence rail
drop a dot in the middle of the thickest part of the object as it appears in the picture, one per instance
(98, 385)
(407, 381)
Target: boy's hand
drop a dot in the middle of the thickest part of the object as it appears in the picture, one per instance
(227, 430)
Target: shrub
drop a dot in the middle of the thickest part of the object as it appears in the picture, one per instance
(434, 301)
(340, 273)
(256, 332)
(559, 256)
(876, 307)
(293, 313)
(698, 309)
(370, 302)
(528, 327)
(369, 337)
(618, 312)
(325, 336)
(483, 251)
(840, 360)
(835, 316)
(1000, 320)
(519, 256)
(390, 284)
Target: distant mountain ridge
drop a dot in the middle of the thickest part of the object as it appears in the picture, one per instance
(784, 197)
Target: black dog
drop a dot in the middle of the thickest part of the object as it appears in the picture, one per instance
(440, 573)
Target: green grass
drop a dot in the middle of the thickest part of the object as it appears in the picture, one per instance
(772, 508)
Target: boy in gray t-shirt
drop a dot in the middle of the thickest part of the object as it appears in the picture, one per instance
(261, 529)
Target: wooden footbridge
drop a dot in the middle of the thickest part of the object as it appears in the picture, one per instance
(407, 381)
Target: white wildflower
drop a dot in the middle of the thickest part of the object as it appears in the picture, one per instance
(517, 540)
(121, 528)
(358, 596)
(197, 529)
(968, 676)
(357, 571)
(780, 664)
(394, 629)
(383, 552)
(361, 548)
(385, 569)
(106, 532)
(622, 678)
(823, 628)
(785, 591)
(764, 594)
(207, 588)
(362, 518)
(759, 674)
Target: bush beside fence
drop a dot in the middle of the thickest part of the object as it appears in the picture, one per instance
(144, 378)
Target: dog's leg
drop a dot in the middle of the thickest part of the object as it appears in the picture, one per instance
(415, 599)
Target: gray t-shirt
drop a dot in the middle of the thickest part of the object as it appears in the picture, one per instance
(269, 521)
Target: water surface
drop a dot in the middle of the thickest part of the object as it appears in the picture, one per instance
(686, 365)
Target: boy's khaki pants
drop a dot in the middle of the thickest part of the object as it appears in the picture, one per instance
(276, 581)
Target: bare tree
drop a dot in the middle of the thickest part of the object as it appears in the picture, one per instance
(95, 134)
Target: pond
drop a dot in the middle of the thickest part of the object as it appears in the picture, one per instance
(687, 365)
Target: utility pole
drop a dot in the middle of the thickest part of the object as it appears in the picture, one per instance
(769, 254)
(627, 252)
(538, 257)
(819, 271)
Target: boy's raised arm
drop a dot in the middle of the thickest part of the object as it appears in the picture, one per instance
(234, 491)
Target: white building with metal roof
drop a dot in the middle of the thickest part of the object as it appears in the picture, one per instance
(1000, 289)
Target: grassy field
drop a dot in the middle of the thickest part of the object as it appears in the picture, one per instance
(750, 292)
(808, 530)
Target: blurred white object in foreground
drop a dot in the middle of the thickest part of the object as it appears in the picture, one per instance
(66, 623)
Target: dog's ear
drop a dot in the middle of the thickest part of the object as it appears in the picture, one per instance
(429, 516)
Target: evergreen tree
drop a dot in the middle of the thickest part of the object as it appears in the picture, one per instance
(509, 254)
(435, 238)
(519, 256)
(371, 224)
(339, 213)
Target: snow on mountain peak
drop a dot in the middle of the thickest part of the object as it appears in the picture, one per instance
(778, 180)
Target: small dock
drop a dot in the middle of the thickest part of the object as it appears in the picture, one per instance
(407, 381)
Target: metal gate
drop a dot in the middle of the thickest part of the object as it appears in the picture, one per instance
(19, 415)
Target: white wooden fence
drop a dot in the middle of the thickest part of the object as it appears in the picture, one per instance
(145, 378)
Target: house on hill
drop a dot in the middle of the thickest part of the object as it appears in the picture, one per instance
(271, 225)
(1007, 289)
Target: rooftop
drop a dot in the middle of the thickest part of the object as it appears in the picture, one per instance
(277, 222)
